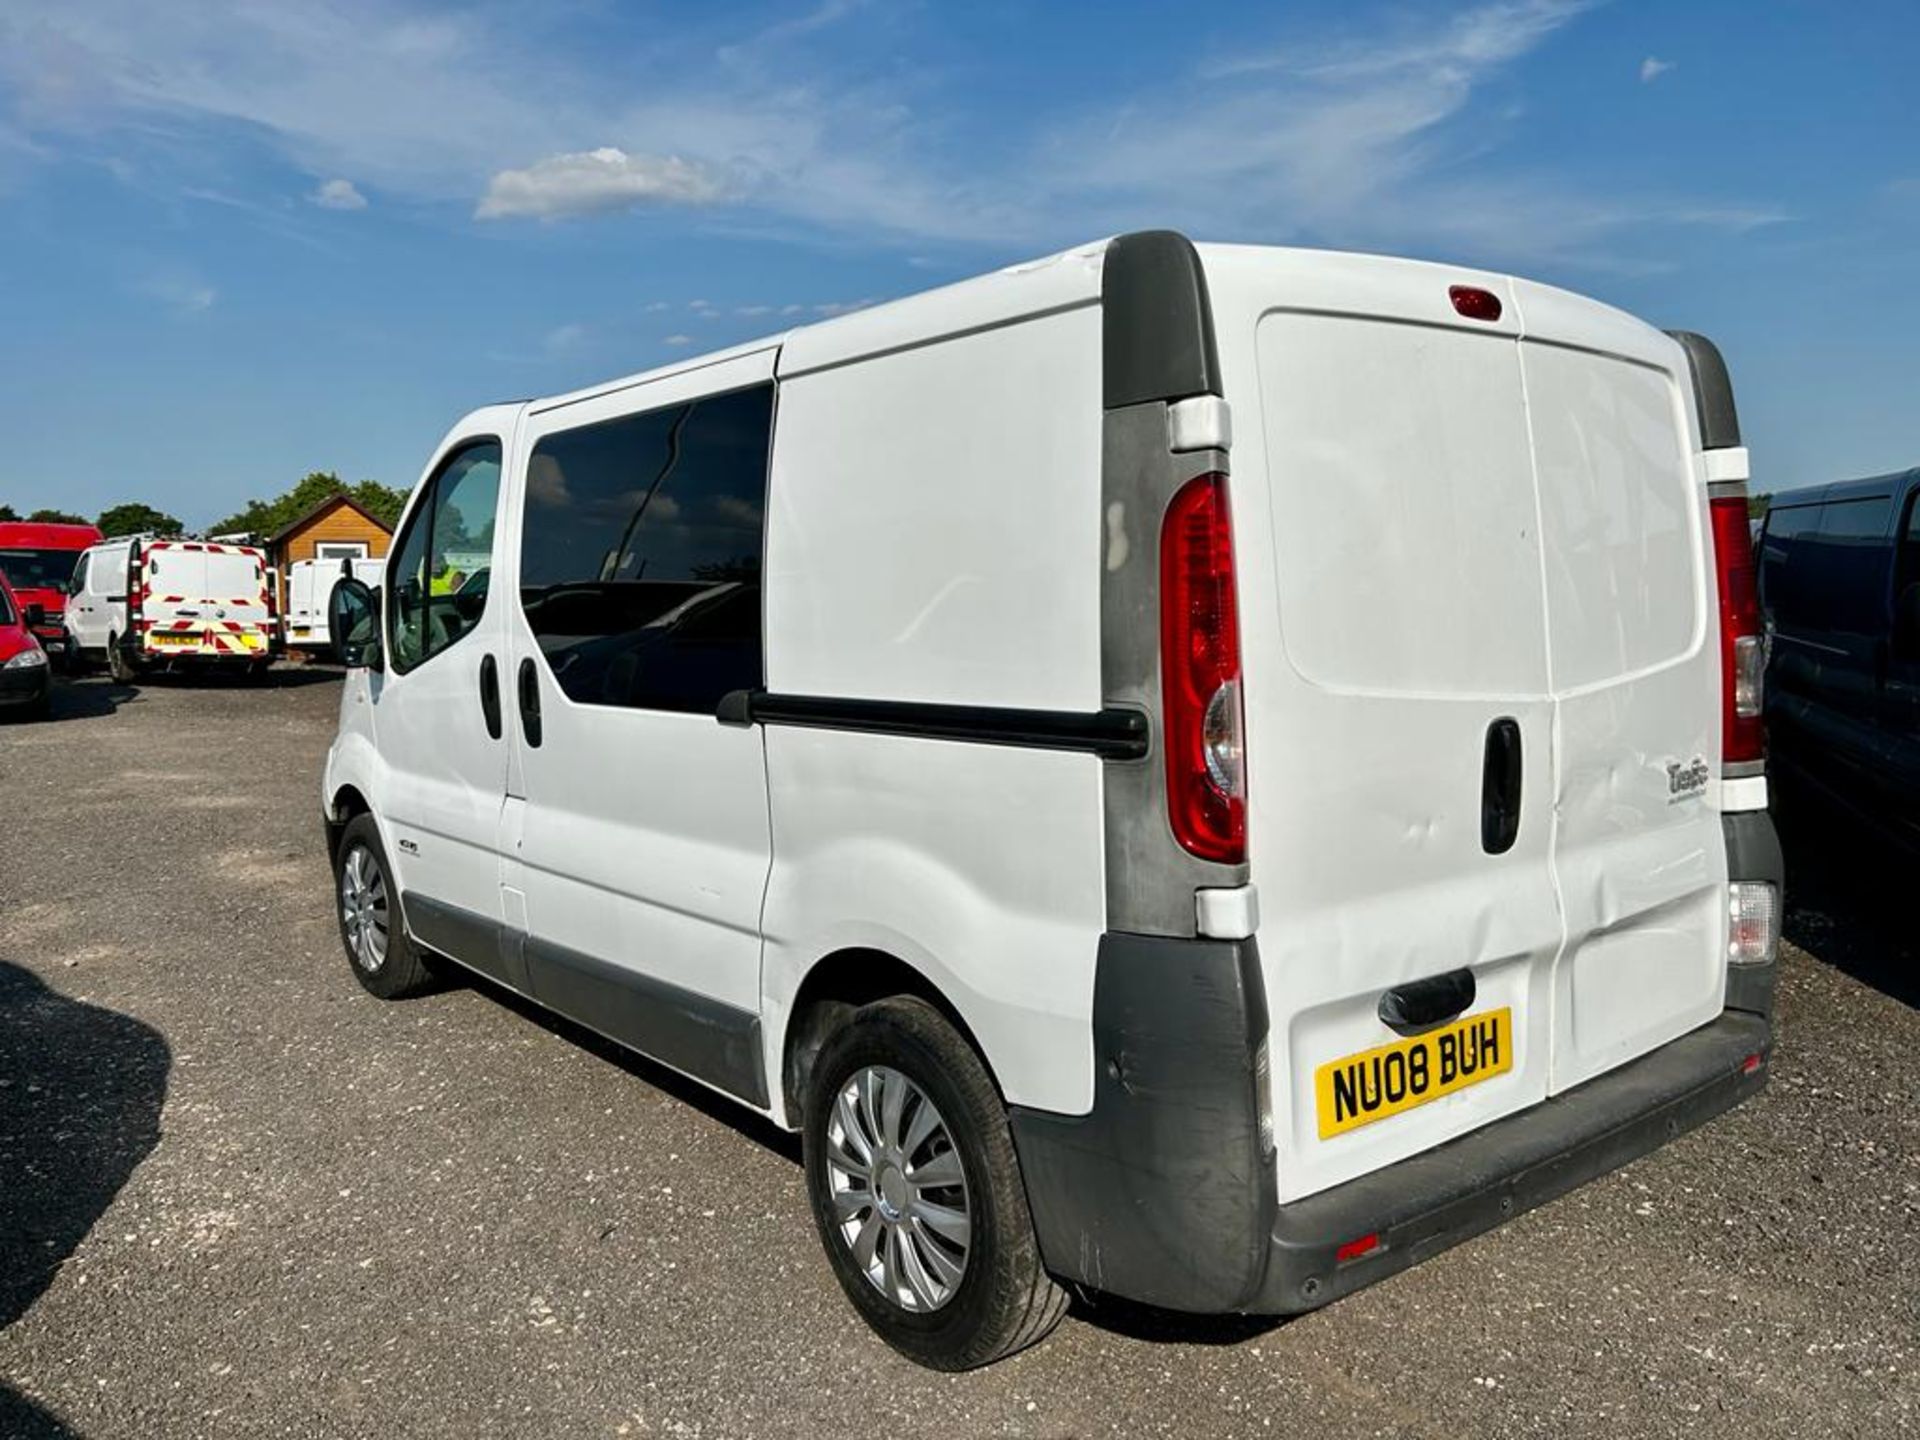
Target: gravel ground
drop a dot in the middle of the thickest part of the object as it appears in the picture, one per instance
(240, 1197)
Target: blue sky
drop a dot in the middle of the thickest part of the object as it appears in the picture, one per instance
(243, 241)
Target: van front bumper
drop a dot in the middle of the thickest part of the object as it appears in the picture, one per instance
(27, 685)
(1163, 1192)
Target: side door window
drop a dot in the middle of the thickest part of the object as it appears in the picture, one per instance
(440, 570)
(640, 553)
(79, 581)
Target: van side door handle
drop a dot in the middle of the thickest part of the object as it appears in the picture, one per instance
(529, 702)
(1500, 787)
(490, 694)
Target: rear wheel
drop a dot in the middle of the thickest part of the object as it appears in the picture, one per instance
(917, 1194)
(384, 960)
(119, 666)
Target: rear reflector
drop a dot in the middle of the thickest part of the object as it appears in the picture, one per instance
(1751, 1063)
(1474, 303)
(1355, 1249)
(1743, 652)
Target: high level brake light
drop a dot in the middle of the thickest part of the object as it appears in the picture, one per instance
(1742, 642)
(1200, 674)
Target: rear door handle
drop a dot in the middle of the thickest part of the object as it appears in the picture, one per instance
(1422, 1004)
(490, 694)
(529, 702)
(1500, 787)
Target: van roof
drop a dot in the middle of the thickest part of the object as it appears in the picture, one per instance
(1055, 282)
(46, 535)
(1866, 485)
(1066, 280)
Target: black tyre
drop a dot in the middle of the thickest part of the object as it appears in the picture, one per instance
(367, 903)
(917, 1194)
(119, 665)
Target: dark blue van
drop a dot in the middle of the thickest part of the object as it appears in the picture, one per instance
(1840, 589)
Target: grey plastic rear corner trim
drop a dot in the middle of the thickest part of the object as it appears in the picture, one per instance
(1151, 880)
(1157, 324)
(1712, 391)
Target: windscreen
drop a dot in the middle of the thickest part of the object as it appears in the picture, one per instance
(38, 569)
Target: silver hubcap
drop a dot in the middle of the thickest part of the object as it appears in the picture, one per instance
(363, 908)
(899, 1192)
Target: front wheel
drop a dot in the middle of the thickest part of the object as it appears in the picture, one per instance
(384, 960)
(917, 1194)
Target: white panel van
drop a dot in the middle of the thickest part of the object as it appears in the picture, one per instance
(141, 604)
(309, 586)
(1207, 774)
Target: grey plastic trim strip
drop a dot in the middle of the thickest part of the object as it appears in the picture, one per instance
(1712, 391)
(694, 1034)
(1162, 1192)
(1158, 341)
(475, 941)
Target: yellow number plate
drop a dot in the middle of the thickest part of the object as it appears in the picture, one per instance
(1374, 1084)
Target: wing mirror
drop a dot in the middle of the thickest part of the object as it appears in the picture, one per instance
(353, 619)
(33, 616)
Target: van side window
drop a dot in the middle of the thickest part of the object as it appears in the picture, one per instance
(640, 558)
(1783, 557)
(443, 560)
(79, 581)
(1850, 574)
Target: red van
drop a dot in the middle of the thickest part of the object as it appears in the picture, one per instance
(38, 559)
(24, 682)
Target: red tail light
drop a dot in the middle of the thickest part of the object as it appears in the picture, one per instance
(1200, 675)
(1742, 644)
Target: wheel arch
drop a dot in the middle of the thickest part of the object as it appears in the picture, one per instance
(836, 985)
(343, 804)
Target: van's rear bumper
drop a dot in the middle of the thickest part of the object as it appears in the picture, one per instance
(1434, 1200)
(1163, 1193)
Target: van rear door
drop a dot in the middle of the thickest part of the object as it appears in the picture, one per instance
(203, 598)
(1632, 644)
(1386, 454)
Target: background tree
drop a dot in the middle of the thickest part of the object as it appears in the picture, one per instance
(56, 517)
(7, 512)
(134, 518)
(269, 517)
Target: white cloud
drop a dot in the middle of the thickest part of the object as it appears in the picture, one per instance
(338, 195)
(595, 182)
(677, 340)
(1355, 132)
(182, 294)
(1652, 68)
